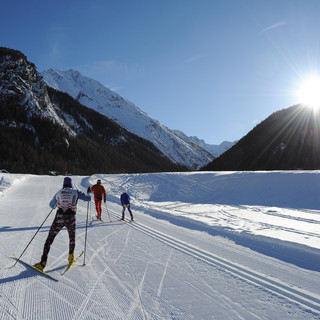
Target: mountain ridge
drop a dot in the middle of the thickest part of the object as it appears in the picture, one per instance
(44, 130)
(287, 140)
(215, 149)
(98, 97)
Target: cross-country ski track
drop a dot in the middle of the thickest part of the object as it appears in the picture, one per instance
(202, 246)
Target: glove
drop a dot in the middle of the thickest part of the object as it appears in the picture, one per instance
(89, 190)
(104, 200)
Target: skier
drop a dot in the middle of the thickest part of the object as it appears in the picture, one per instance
(99, 192)
(66, 201)
(125, 202)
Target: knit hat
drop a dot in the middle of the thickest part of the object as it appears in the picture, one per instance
(67, 182)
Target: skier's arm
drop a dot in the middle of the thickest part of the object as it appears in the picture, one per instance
(53, 202)
(83, 196)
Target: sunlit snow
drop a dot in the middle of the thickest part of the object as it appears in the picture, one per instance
(204, 245)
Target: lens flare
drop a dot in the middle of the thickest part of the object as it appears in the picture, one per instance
(309, 91)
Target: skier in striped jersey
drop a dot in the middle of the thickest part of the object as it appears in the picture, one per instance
(66, 201)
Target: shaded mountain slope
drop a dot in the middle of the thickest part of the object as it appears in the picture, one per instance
(287, 140)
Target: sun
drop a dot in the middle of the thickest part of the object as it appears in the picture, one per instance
(309, 91)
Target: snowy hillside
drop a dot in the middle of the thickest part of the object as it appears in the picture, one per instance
(204, 245)
(94, 95)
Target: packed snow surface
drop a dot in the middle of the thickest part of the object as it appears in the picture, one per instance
(204, 245)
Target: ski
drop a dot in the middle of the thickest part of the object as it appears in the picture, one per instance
(103, 221)
(126, 220)
(96, 219)
(70, 265)
(33, 267)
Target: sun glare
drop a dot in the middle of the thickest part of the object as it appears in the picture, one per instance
(309, 92)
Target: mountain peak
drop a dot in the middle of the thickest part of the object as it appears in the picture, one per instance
(44, 129)
(93, 94)
(15, 54)
(22, 82)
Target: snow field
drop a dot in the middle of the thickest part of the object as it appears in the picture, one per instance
(223, 260)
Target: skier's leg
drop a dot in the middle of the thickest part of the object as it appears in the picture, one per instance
(96, 202)
(130, 211)
(57, 225)
(71, 227)
(99, 209)
(123, 208)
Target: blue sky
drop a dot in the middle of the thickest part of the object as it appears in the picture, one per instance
(210, 68)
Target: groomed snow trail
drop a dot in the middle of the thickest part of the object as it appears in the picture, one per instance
(148, 269)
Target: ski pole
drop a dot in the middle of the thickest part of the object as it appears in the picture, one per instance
(33, 237)
(108, 212)
(85, 240)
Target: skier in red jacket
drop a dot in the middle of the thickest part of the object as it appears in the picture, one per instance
(99, 193)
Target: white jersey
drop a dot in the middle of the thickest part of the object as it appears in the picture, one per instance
(67, 198)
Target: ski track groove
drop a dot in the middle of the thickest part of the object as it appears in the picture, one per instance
(98, 282)
(272, 285)
(74, 305)
(164, 274)
(225, 301)
(25, 289)
(7, 312)
(138, 289)
(80, 293)
(8, 300)
(82, 308)
(269, 226)
(96, 252)
(133, 294)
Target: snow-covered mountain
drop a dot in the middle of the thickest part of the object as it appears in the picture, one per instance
(44, 130)
(215, 149)
(20, 79)
(93, 94)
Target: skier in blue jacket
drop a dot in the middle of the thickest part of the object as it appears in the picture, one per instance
(125, 202)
